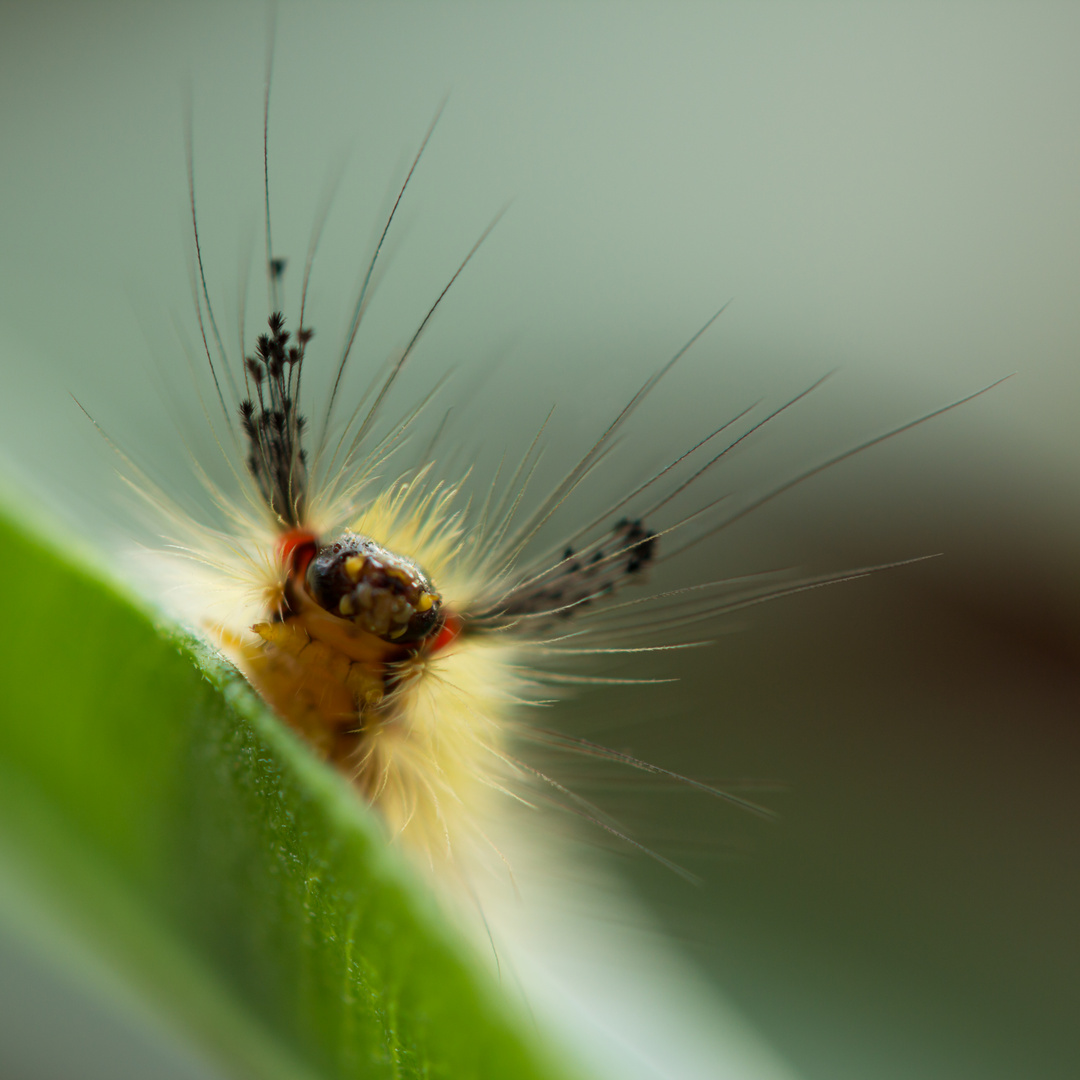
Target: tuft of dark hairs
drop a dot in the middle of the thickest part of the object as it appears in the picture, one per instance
(270, 418)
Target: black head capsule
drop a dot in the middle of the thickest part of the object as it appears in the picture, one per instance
(385, 594)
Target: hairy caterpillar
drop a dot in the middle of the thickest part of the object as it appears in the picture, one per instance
(404, 618)
(849, 240)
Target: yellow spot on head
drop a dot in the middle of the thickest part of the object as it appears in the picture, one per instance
(425, 602)
(346, 606)
(354, 564)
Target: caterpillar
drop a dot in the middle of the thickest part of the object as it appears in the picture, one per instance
(410, 619)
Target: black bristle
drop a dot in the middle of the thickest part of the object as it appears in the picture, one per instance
(575, 581)
(274, 427)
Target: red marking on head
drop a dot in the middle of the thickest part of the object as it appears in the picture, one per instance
(297, 548)
(448, 633)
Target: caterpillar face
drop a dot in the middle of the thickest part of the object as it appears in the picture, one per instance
(384, 594)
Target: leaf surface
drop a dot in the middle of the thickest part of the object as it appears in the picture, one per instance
(152, 808)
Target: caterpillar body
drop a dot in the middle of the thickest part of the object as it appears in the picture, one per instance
(394, 626)
(404, 620)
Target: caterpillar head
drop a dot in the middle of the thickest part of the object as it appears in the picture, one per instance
(383, 593)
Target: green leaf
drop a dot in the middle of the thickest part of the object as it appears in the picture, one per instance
(153, 810)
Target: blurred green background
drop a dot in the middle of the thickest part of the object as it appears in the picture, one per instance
(891, 190)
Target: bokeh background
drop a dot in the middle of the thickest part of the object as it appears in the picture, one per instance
(888, 190)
